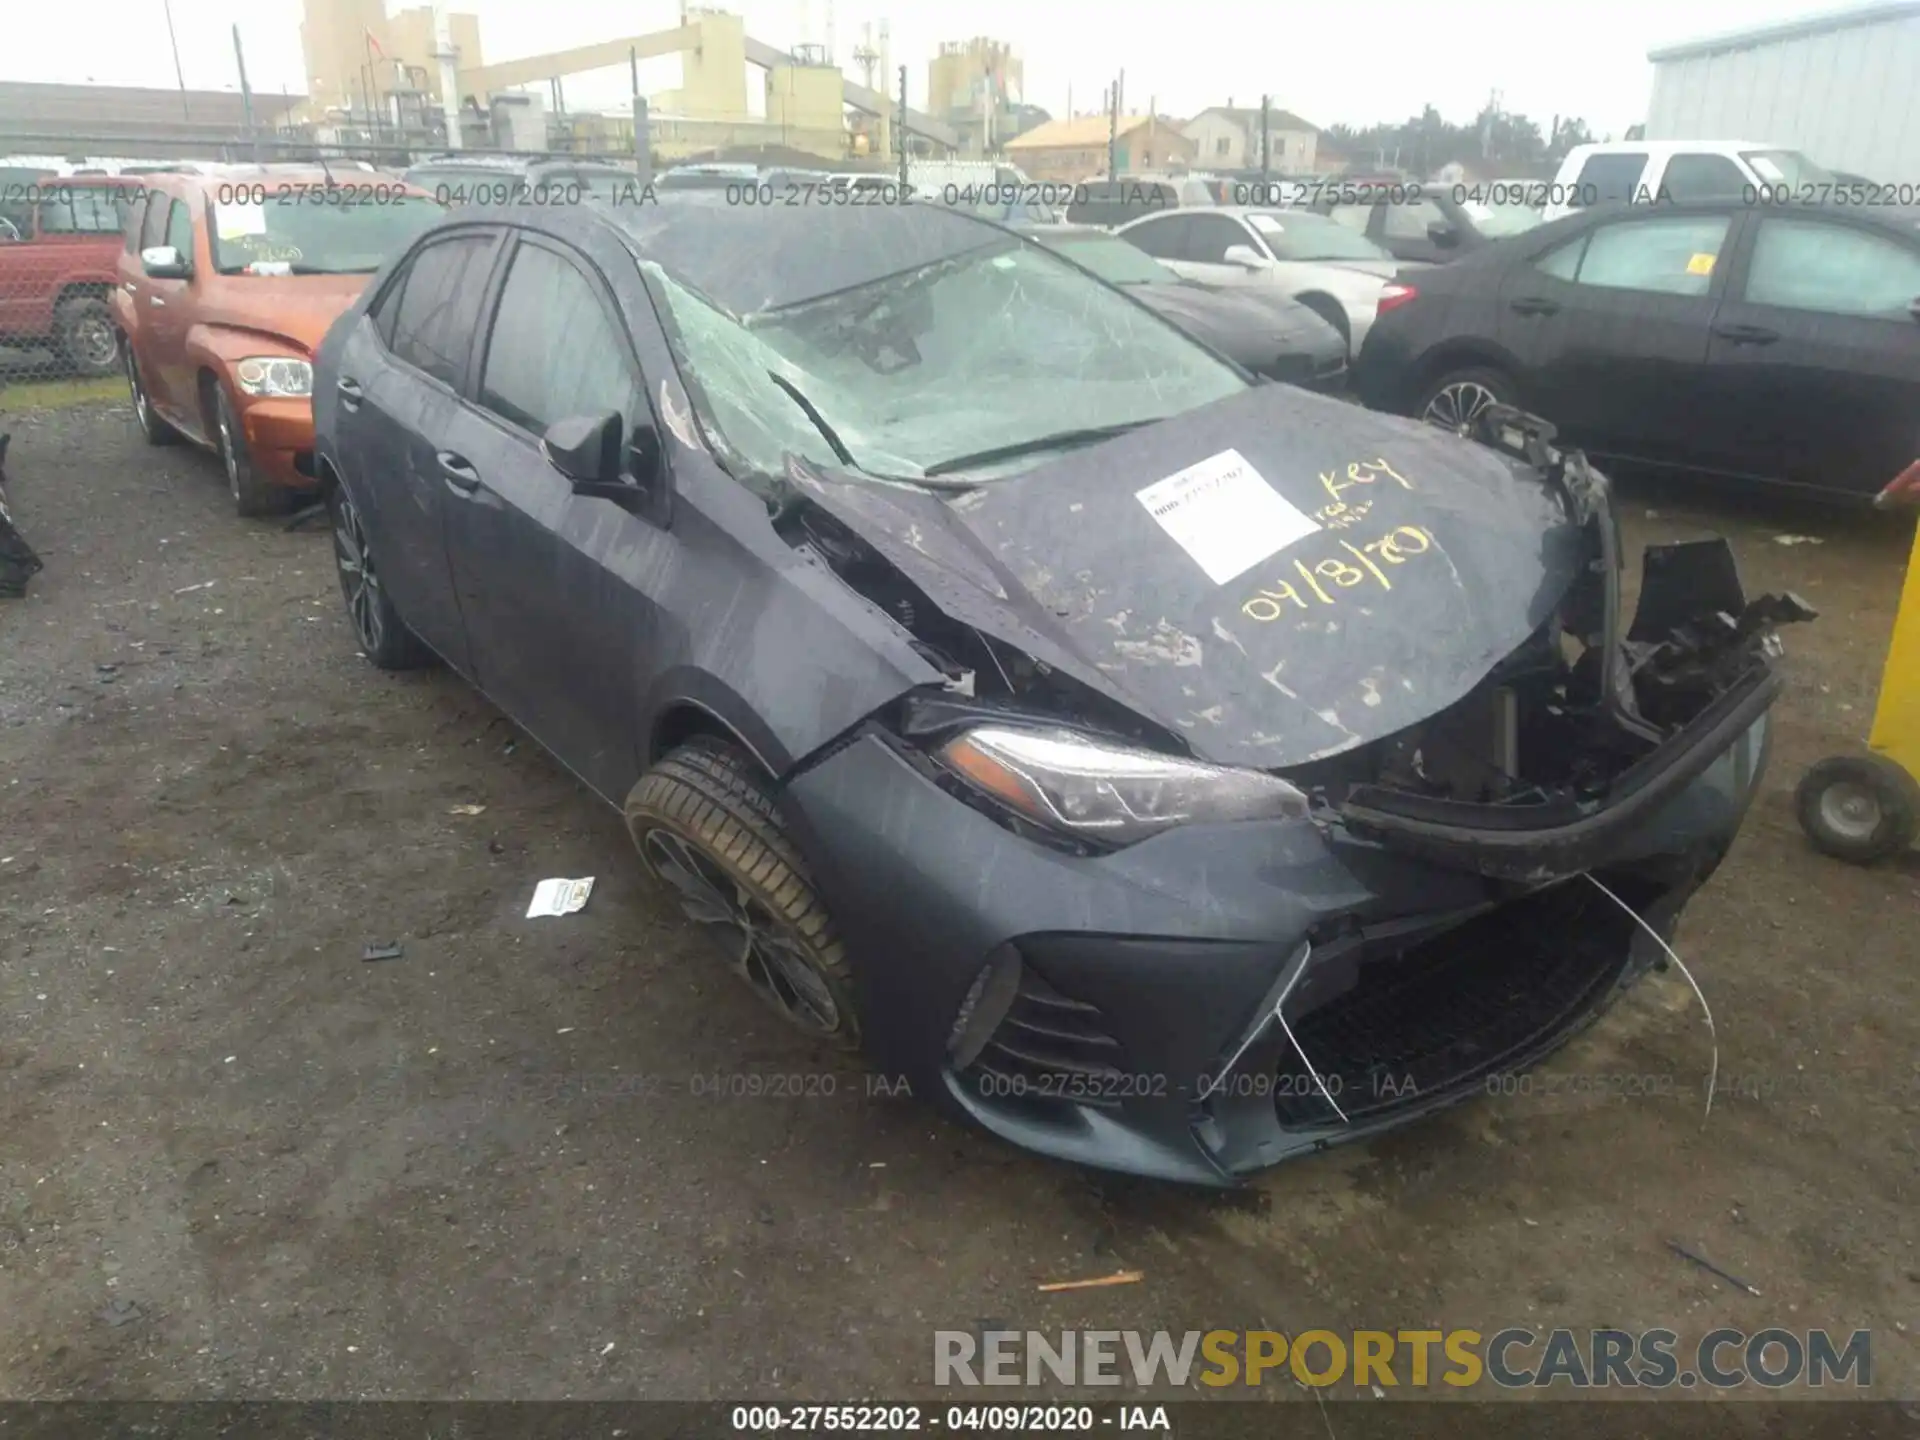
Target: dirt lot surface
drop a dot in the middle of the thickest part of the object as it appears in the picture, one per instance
(238, 1160)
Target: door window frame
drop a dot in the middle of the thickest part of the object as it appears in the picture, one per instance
(394, 286)
(1741, 271)
(1732, 250)
(512, 240)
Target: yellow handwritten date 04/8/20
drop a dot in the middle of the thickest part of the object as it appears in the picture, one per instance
(1322, 582)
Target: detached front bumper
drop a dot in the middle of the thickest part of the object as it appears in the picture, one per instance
(1220, 997)
(279, 435)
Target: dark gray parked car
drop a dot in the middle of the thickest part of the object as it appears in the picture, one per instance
(1169, 772)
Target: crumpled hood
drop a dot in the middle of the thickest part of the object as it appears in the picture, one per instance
(1278, 577)
(1246, 323)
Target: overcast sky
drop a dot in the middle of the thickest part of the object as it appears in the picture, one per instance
(1359, 61)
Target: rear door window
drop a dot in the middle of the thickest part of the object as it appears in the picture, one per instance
(1675, 255)
(1702, 177)
(1409, 220)
(1833, 269)
(439, 305)
(1608, 179)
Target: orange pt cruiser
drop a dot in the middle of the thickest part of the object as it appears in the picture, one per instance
(228, 280)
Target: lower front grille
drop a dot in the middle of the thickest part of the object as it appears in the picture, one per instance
(1438, 1017)
(1049, 1047)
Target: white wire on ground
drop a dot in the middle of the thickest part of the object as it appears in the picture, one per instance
(1713, 1071)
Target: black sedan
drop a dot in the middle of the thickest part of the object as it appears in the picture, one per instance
(1772, 344)
(1167, 771)
(1432, 223)
(1261, 330)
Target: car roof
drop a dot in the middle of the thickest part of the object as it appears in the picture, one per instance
(751, 258)
(1669, 147)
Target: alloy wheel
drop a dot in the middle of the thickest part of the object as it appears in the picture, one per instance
(757, 944)
(357, 578)
(1457, 406)
(94, 344)
(1851, 811)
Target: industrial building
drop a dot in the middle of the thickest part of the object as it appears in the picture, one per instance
(363, 63)
(976, 87)
(1078, 149)
(1842, 87)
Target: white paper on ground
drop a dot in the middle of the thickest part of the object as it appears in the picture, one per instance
(1225, 515)
(559, 897)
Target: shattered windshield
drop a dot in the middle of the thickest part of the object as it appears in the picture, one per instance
(1002, 347)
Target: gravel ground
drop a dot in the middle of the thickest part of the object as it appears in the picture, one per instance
(237, 1160)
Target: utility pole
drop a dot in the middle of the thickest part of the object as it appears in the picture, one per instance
(246, 95)
(1113, 130)
(902, 127)
(178, 74)
(1266, 141)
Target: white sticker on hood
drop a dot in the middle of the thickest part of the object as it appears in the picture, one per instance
(1225, 515)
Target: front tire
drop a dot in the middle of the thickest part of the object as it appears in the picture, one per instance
(1459, 398)
(83, 331)
(384, 638)
(253, 495)
(706, 825)
(1858, 808)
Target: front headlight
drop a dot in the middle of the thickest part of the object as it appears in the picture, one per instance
(1067, 782)
(274, 375)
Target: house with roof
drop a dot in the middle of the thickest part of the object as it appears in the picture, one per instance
(1227, 137)
(1076, 149)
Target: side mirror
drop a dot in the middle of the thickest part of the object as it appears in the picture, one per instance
(591, 451)
(1246, 257)
(1443, 233)
(163, 262)
(1914, 308)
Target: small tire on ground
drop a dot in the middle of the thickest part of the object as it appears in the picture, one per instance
(1497, 384)
(156, 430)
(712, 797)
(83, 332)
(253, 494)
(1858, 808)
(394, 646)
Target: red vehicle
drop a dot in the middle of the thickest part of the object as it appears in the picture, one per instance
(60, 243)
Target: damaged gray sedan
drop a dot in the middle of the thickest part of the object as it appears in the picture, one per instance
(1169, 771)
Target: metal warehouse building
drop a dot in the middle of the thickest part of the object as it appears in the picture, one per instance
(1844, 87)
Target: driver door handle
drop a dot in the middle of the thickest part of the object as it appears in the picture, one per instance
(350, 392)
(155, 301)
(1746, 334)
(457, 472)
(1535, 305)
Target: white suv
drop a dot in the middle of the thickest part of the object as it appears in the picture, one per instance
(1678, 170)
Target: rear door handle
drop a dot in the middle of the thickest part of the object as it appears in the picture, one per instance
(1746, 334)
(1534, 305)
(350, 392)
(458, 473)
(155, 301)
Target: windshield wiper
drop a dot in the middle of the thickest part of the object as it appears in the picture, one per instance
(827, 432)
(1060, 440)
